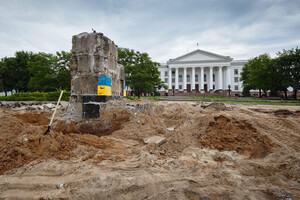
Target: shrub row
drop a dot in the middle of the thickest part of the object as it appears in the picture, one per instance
(37, 96)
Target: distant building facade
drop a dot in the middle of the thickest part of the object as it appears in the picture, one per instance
(200, 73)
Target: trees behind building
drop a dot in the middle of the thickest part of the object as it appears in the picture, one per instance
(28, 71)
(273, 74)
(141, 73)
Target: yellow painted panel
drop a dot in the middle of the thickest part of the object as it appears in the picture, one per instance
(104, 90)
(124, 93)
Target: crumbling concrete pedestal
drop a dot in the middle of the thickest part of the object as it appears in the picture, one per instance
(93, 54)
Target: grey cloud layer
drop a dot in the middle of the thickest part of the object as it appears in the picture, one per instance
(164, 29)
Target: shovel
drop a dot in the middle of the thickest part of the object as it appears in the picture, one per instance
(48, 129)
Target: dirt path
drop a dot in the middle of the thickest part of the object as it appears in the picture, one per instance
(212, 151)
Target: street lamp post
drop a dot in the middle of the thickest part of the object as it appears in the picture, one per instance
(229, 86)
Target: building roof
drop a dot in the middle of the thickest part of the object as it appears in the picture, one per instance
(200, 55)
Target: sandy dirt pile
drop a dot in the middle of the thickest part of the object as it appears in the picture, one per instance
(229, 134)
(22, 140)
(206, 151)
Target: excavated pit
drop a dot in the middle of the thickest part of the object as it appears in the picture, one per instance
(209, 150)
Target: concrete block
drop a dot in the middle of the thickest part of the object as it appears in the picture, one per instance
(93, 54)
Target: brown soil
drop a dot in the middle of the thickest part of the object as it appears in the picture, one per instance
(229, 134)
(22, 140)
(34, 118)
(212, 151)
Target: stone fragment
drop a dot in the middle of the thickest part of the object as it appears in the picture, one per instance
(49, 106)
(172, 128)
(64, 104)
(60, 185)
(158, 140)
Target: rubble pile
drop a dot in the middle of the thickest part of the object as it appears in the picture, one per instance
(140, 149)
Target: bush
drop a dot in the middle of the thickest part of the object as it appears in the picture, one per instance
(37, 96)
(130, 97)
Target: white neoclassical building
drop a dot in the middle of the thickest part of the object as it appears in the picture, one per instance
(201, 72)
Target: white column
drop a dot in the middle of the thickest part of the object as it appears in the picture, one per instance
(220, 77)
(170, 79)
(193, 78)
(184, 78)
(162, 77)
(228, 78)
(176, 79)
(202, 78)
(210, 78)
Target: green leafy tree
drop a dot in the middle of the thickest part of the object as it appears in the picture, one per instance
(50, 72)
(62, 70)
(8, 71)
(142, 74)
(289, 62)
(22, 74)
(14, 72)
(42, 68)
(1, 77)
(256, 74)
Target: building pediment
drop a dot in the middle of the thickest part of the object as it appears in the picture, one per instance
(200, 56)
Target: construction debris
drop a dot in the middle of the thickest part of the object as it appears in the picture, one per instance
(178, 151)
(158, 140)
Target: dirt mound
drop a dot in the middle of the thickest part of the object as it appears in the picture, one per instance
(22, 140)
(33, 118)
(216, 106)
(21, 144)
(229, 134)
(283, 112)
(110, 120)
(197, 160)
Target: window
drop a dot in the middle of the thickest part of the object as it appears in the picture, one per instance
(180, 87)
(214, 87)
(236, 79)
(173, 80)
(196, 77)
(173, 73)
(204, 77)
(166, 80)
(166, 73)
(188, 79)
(236, 87)
(214, 78)
(236, 71)
(180, 78)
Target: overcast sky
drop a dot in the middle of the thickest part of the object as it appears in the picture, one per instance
(165, 29)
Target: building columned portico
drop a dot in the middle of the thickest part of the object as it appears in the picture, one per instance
(201, 72)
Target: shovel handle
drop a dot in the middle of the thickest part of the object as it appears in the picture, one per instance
(55, 108)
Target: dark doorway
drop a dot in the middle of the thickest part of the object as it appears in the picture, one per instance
(188, 87)
(197, 87)
(205, 87)
(173, 90)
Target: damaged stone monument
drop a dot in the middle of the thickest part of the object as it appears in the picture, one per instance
(96, 75)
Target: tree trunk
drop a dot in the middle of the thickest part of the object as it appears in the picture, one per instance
(266, 95)
(285, 94)
(259, 93)
(295, 94)
(5, 93)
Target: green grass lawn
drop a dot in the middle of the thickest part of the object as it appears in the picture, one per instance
(150, 98)
(263, 103)
(233, 100)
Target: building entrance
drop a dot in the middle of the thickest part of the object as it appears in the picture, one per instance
(188, 87)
